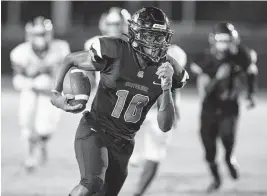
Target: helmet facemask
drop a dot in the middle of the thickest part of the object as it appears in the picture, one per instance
(224, 39)
(151, 43)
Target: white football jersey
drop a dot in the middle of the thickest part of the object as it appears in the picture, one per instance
(24, 56)
(178, 54)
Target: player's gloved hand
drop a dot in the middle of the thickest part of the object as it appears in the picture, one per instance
(62, 102)
(223, 72)
(165, 72)
(251, 102)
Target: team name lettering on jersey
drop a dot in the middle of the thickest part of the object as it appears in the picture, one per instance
(137, 86)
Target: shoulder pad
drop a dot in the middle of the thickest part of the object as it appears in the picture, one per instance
(19, 54)
(107, 46)
(177, 54)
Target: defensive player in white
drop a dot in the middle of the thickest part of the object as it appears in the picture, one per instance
(34, 63)
(155, 141)
(113, 23)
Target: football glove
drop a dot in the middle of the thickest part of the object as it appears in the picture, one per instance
(165, 72)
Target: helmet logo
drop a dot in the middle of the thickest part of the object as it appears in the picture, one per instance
(142, 10)
(159, 26)
(140, 74)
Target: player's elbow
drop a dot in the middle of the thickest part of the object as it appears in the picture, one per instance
(165, 128)
(165, 125)
(68, 60)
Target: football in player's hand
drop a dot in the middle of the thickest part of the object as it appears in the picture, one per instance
(77, 83)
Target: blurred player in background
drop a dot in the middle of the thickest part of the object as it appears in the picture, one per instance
(113, 23)
(219, 71)
(135, 73)
(155, 141)
(34, 63)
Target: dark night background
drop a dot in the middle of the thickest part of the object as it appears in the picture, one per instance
(192, 21)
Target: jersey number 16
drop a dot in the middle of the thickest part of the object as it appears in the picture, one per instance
(134, 111)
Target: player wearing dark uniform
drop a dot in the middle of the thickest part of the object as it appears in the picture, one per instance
(134, 75)
(219, 71)
(112, 23)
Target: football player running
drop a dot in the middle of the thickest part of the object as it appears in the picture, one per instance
(134, 75)
(218, 74)
(34, 63)
(113, 23)
(155, 141)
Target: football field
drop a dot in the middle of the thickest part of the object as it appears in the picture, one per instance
(182, 173)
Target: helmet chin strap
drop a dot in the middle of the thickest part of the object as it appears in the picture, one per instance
(145, 56)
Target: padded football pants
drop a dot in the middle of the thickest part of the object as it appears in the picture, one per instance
(215, 125)
(102, 158)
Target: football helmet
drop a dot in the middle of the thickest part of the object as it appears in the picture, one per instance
(39, 33)
(150, 33)
(224, 37)
(115, 22)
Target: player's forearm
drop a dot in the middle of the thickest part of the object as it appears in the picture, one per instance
(202, 81)
(166, 112)
(176, 101)
(81, 60)
(251, 84)
(18, 69)
(196, 69)
(62, 71)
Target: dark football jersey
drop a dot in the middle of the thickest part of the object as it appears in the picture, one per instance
(227, 89)
(126, 92)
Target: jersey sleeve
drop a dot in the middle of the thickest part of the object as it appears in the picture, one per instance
(248, 60)
(178, 58)
(253, 69)
(65, 48)
(103, 50)
(245, 58)
(18, 58)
